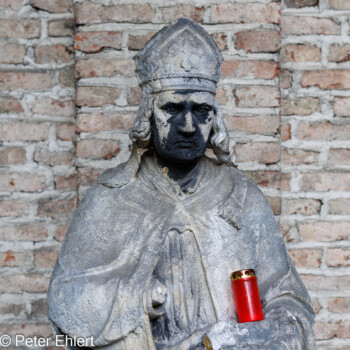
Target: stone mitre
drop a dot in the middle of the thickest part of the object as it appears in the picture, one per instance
(181, 56)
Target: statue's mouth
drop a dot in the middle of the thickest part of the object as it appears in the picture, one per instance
(185, 143)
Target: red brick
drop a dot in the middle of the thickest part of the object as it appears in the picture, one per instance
(96, 149)
(40, 330)
(30, 283)
(12, 54)
(327, 79)
(54, 54)
(96, 95)
(316, 305)
(289, 232)
(15, 28)
(285, 132)
(339, 53)
(340, 206)
(29, 232)
(308, 25)
(137, 42)
(299, 156)
(59, 6)
(55, 208)
(66, 132)
(257, 96)
(104, 68)
(250, 69)
(169, 14)
(45, 258)
(301, 53)
(246, 13)
(339, 305)
(87, 176)
(39, 307)
(339, 156)
(23, 182)
(303, 206)
(275, 204)
(300, 3)
(299, 106)
(273, 179)
(220, 40)
(342, 106)
(104, 122)
(44, 156)
(96, 41)
(12, 155)
(285, 79)
(331, 181)
(61, 27)
(26, 81)
(10, 105)
(306, 257)
(12, 259)
(49, 106)
(14, 309)
(24, 132)
(262, 152)
(323, 131)
(61, 232)
(340, 4)
(14, 5)
(260, 124)
(221, 96)
(134, 96)
(324, 231)
(327, 283)
(329, 330)
(12, 208)
(88, 12)
(64, 182)
(258, 41)
(67, 78)
(338, 257)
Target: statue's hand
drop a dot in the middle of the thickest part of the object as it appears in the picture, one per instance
(156, 299)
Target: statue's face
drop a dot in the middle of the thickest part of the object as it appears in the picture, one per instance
(182, 124)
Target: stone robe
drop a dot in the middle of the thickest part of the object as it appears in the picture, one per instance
(133, 232)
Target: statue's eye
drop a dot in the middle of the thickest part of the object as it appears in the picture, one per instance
(172, 108)
(202, 111)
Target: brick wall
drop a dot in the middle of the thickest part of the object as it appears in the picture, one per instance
(284, 97)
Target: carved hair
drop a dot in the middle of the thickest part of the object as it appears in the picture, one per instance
(141, 132)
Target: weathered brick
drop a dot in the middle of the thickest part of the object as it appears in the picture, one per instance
(104, 68)
(30, 283)
(250, 69)
(303, 206)
(246, 13)
(340, 4)
(96, 41)
(339, 305)
(87, 176)
(12, 54)
(169, 14)
(342, 106)
(285, 132)
(261, 124)
(338, 257)
(64, 182)
(220, 40)
(96, 149)
(308, 25)
(15, 28)
(323, 131)
(339, 53)
(329, 330)
(301, 53)
(285, 79)
(29, 232)
(12, 259)
(104, 121)
(137, 42)
(45, 258)
(258, 41)
(298, 156)
(54, 53)
(257, 96)
(289, 232)
(327, 79)
(12, 155)
(61, 232)
(327, 283)
(300, 3)
(134, 96)
(88, 12)
(66, 132)
(324, 231)
(339, 156)
(40, 330)
(316, 305)
(23, 132)
(14, 309)
(23, 182)
(59, 6)
(14, 5)
(44, 156)
(273, 179)
(61, 27)
(262, 152)
(306, 257)
(96, 95)
(67, 78)
(331, 181)
(221, 96)
(13, 208)
(49, 106)
(275, 204)
(300, 106)
(26, 81)
(55, 208)
(39, 307)
(339, 206)
(10, 105)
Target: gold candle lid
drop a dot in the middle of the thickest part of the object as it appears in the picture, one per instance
(242, 274)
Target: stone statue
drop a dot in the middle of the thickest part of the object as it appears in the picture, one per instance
(147, 259)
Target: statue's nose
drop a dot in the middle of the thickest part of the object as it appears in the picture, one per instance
(187, 125)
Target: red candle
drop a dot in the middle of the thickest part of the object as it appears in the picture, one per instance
(246, 295)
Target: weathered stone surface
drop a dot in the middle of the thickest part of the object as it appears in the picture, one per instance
(301, 3)
(258, 41)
